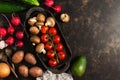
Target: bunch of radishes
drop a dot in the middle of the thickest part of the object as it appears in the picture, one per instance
(12, 35)
(50, 4)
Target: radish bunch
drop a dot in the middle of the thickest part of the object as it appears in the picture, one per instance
(11, 34)
(50, 3)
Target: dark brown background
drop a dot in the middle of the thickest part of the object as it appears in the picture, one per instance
(94, 31)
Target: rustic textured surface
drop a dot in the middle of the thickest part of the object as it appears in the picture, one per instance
(94, 30)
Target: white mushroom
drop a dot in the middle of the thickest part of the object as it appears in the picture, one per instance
(50, 21)
(65, 17)
(32, 21)
(40, 48)
(39, 24)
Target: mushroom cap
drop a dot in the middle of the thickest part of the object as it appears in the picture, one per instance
(35, 39)
(39, 47)
(32, 21)
(39, 24)
(50, 21)
(34, 30)
(41, 17)
(65, 17)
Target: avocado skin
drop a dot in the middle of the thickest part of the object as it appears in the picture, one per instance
(78, 66)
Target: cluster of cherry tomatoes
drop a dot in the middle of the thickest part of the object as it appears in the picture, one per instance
(53, 45)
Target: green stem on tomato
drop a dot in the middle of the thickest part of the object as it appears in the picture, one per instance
(51, 39)
(54, 47)
(56, 54)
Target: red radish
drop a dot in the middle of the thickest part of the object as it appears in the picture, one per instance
(10, 40)
(19, 35)
(20, 44)
(15, 21)
(57, 8)
(49, 3)
(49, 0)
(10, 29)
(3, 32)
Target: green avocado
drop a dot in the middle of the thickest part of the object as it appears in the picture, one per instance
(78, 66)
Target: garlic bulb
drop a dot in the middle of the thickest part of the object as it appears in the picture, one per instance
(3, 44)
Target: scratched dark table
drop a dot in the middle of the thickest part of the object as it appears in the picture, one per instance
(94, 31)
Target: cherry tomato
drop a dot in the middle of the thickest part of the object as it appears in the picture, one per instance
(45, 38)
(59, 47)
(53, 62)
(50, 54)
(56, 39)
(44, 29)
(48, 46)
(61, 55)
(52, 31)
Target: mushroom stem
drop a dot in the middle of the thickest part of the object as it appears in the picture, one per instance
(39, 26)
(50, 21)
(43, 50)
(47, 23)
(33, 44)
(33, 20)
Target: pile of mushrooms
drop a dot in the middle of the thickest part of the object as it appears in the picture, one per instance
(35, 26)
